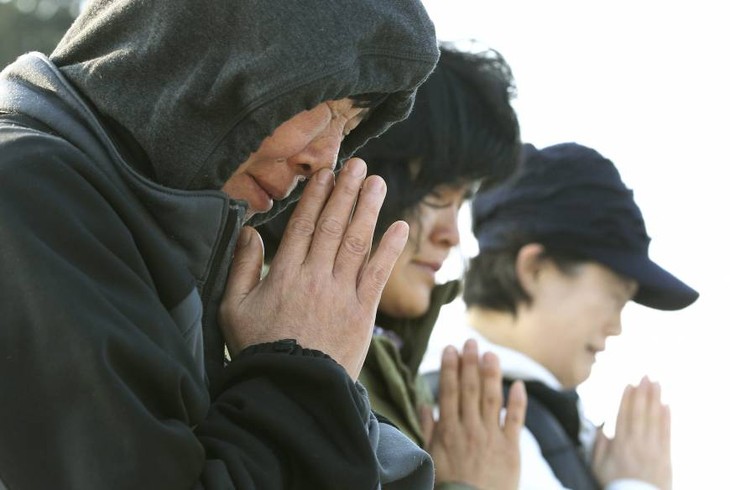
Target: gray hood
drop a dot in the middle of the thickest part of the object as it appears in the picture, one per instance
(199, 88)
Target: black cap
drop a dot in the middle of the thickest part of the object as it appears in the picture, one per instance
(570, 197)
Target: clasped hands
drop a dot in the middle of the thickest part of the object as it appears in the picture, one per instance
(323, 285)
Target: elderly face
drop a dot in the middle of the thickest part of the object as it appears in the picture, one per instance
(296, 150)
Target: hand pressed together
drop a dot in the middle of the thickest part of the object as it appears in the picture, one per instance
(323, 287)
(640, 448)
(470, 443)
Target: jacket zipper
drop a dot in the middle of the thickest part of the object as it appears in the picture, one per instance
(213, 342)
(228, 227)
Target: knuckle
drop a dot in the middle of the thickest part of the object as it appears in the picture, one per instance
(356, 245)
(379, 277)
(350, 187)
(470, 387)
(300, 226)
(492, 396)
(330, 226)
(448, 442)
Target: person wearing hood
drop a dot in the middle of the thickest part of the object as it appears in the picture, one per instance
(563, 248)
(139, 347)
(462, 132)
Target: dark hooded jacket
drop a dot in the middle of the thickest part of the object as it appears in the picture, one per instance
(115, 244)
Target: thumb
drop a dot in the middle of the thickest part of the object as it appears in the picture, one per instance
(601, 446)
(248, 261)
(514, 419)
(426, 415)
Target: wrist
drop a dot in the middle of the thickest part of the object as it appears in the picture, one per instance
(283, 346)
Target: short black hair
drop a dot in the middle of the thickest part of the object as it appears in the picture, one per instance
(491, 277)
(462, 129)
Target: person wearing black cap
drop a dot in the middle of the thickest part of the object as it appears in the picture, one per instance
(562, 249)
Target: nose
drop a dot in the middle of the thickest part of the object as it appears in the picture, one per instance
(320, 153)
(446, 231)
(614, 328)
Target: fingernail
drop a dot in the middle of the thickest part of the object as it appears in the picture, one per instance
(449, 352)
(375, 184)
(245, 238)
(520, 391)
(488, 358)
(356, 167)
(400, 229)
(324, 176)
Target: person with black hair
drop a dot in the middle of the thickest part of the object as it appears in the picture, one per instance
(131, 160)
(462, 132)
(562, 249)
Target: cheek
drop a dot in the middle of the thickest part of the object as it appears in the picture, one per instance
(406, 294)
(576, 359)
(287, 141)
(559, 344)
(276, 147)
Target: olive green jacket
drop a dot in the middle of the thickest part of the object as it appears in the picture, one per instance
(390, 373)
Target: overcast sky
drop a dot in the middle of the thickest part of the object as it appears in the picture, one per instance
(646, 84)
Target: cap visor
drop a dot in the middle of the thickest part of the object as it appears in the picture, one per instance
(658, 288)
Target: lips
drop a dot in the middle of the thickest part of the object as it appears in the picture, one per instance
(275, 194)
(430, 268)
(259, 199)
(432, 265)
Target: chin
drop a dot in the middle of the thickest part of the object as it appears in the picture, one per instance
(409, 309)
(416, 309)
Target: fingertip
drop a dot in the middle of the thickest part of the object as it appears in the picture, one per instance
(449, 351)
(518, 392)
(375, 183)
(470, 345)
(248, 241)
(244, 237)
(398, 233)
(401, 228)
(516, 408)
(356, 167)
(449, 356)
(490, 359)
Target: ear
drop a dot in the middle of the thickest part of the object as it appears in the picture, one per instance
(528, 266)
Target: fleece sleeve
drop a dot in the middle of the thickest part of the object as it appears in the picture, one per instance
(98, 387)
(300, 416)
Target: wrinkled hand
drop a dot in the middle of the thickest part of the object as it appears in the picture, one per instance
(469, 444)
(322, 288)
(640, 449)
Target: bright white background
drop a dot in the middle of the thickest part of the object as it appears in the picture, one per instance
(646, 84)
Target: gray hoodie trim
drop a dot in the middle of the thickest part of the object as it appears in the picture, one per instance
(401, 463)
(248, 73)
